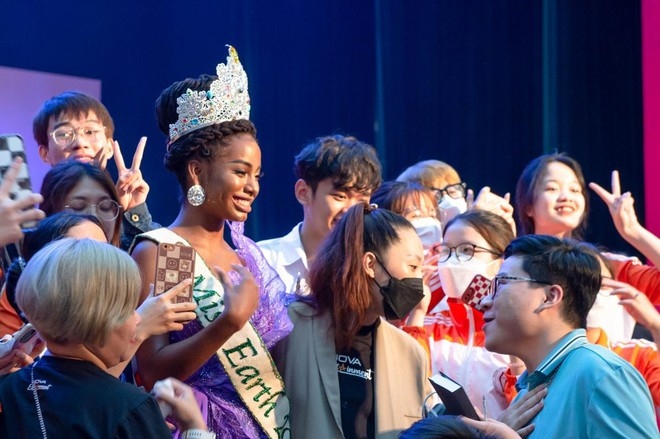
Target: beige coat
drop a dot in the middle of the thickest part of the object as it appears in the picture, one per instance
(307, 361)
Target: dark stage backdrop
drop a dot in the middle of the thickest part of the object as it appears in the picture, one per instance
(484, 85)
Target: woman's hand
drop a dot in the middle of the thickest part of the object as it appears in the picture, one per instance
(240, 300)
(620, 206)
(490, 202)
(183, 403)
(160, 316)
(636, 303)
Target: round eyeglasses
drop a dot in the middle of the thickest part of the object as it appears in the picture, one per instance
(499, 280)
(93, 133)
(106, 210)
(464, 252)
(456, 190)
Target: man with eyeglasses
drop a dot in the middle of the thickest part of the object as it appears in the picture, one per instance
(452, 194)
(76, 126)
(537, 311)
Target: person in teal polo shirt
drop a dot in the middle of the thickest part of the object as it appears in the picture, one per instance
(537, 310)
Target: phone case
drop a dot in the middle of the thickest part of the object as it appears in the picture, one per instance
(12, 146)
(476, 291)
(26, 339)
(176, 262)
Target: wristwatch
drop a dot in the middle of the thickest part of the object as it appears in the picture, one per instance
(196, 433)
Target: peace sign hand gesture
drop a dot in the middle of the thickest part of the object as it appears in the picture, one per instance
(131, 187)
(620, 207)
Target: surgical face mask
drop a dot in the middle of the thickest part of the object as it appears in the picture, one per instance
(429, 231)
(400, 296)
(450, 207)
(455, 276)
(607, 314)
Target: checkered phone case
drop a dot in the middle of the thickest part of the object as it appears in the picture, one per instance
(176, 262)
(477, 290)
(12, 146)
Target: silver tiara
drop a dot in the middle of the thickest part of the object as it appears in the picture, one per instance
(226, 100)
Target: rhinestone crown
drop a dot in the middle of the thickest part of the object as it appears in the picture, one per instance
(226, 100)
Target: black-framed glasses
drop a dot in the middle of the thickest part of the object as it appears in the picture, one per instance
(464, 252)
(497, 282)
(106, 210)
(93, 133)
(456, 190)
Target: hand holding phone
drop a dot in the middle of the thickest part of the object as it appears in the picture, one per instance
(176, 262)
(23, 340)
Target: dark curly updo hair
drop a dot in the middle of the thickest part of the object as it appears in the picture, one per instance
(202, 144)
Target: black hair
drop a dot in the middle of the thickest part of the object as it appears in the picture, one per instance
(571, 264)
(530, 181)
(348, 162)
(63, 177)
(201, 144)
(73, 104)
(340, 285)
(442, 427)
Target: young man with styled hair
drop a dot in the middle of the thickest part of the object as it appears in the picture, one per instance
(76, 126)
(334, 173)
(537, 311)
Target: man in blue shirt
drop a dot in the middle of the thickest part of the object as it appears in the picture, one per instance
(537, 311)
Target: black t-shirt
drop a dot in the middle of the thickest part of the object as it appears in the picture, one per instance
(79, 400)
(356, 385)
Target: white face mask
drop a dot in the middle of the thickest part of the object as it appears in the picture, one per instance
(429, 231)
(607, 314)
(455, 276)
(450, 207)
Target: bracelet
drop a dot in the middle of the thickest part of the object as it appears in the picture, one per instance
(196, 433)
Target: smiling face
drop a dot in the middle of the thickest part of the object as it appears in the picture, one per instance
(324, 207)
(231, 180)
(512, 320)
(559, 203)
(85, 148)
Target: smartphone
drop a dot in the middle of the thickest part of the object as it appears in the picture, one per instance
(176, 262)
(478, 288)
(24, 340)
(12, 146)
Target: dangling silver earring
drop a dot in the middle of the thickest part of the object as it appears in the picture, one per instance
(196, 195)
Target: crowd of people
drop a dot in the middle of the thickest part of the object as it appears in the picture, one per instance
(332, 330)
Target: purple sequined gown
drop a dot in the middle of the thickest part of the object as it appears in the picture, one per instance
(225, 413)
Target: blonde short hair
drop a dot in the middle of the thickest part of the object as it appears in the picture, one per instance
(77, 290)
(433, 174)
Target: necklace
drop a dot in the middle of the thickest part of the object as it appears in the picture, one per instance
(33, 384)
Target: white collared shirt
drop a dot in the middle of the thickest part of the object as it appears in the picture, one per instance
(287, 256)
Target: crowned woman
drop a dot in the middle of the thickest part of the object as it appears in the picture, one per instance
(223, 354)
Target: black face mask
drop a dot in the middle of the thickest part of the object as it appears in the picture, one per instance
(400, 296)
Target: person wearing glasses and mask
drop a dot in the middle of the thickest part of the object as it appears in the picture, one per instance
(473, 243)
(451, 193)
(537, 310)
(76, 126)
(348, 372)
